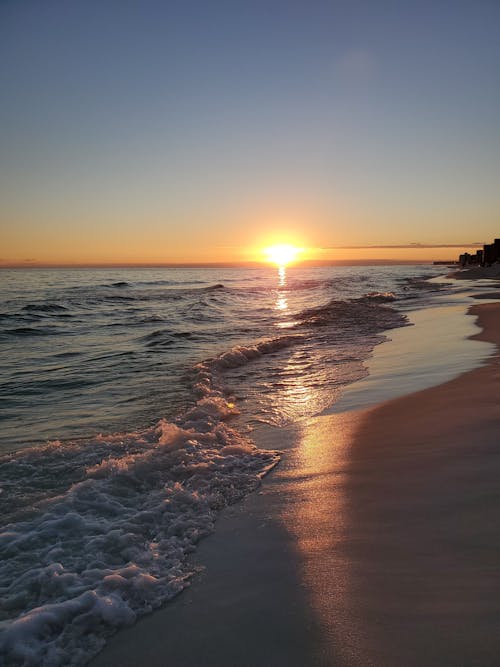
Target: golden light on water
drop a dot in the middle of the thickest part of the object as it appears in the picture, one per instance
(282, 254)
(282, 275)
(281, 303)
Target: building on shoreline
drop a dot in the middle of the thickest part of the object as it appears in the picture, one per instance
(491, 253)
(488, 255)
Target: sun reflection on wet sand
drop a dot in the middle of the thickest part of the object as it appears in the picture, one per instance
(319, 520)
(396, 532)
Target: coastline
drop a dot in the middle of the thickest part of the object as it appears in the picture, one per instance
(373, 543)
(476, 273)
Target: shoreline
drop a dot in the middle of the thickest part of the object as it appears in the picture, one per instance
(476, 273)
(372, 543)
(434, 349)
(414, 542)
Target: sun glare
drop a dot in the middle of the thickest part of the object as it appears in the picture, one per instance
(282, 254)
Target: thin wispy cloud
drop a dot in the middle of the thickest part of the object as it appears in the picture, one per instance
(405, 245)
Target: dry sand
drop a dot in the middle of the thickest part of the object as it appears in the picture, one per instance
(376, 542)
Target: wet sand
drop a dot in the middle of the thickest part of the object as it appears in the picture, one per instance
(476, 272)
(374, 543)
(415, 540)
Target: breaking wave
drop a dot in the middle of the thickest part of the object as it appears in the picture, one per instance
(364, 315)
(114, 545)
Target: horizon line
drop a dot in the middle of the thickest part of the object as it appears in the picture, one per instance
(215, 265)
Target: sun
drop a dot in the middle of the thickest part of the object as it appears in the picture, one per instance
(282, 254)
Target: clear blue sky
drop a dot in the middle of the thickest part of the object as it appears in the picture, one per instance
(153, 130)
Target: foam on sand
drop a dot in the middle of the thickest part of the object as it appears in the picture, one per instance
(114, 546)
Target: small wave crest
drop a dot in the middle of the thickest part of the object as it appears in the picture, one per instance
(113, 546)
(119, 297)
(207, 373)
(422, 284)
(165, 337)
(378, 297)
(362, 316)
(44, 307)
(31, 331)
(164, 282)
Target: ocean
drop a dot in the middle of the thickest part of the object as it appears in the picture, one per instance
(128, 401)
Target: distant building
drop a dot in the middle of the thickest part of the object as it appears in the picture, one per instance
(464, 259)
(490, 254)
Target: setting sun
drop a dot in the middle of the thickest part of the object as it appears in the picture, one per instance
(282, 254)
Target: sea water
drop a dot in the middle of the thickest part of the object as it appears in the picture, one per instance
(127, 402)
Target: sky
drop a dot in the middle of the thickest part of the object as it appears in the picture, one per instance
(153, 131)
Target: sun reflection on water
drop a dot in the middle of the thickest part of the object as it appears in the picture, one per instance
(282, 276)
(281, 304)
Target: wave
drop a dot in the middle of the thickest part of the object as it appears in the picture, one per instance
(31, 331)
(365, 315)
(119, 297)
(151, 283)
(308, 284)
(101, 528)
(67, 355)
(44, 307)
(207, 374)
(136, 321)
(379, 297)
(422, 283)
(290, 286)
(158, 338)
(114, 546)
(163, 337)
(362, 317)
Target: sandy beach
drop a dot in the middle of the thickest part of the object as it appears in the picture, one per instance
(476, 273)
(375, 542)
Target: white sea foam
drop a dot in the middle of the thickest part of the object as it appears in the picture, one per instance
(207, 380)
(114, 546)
